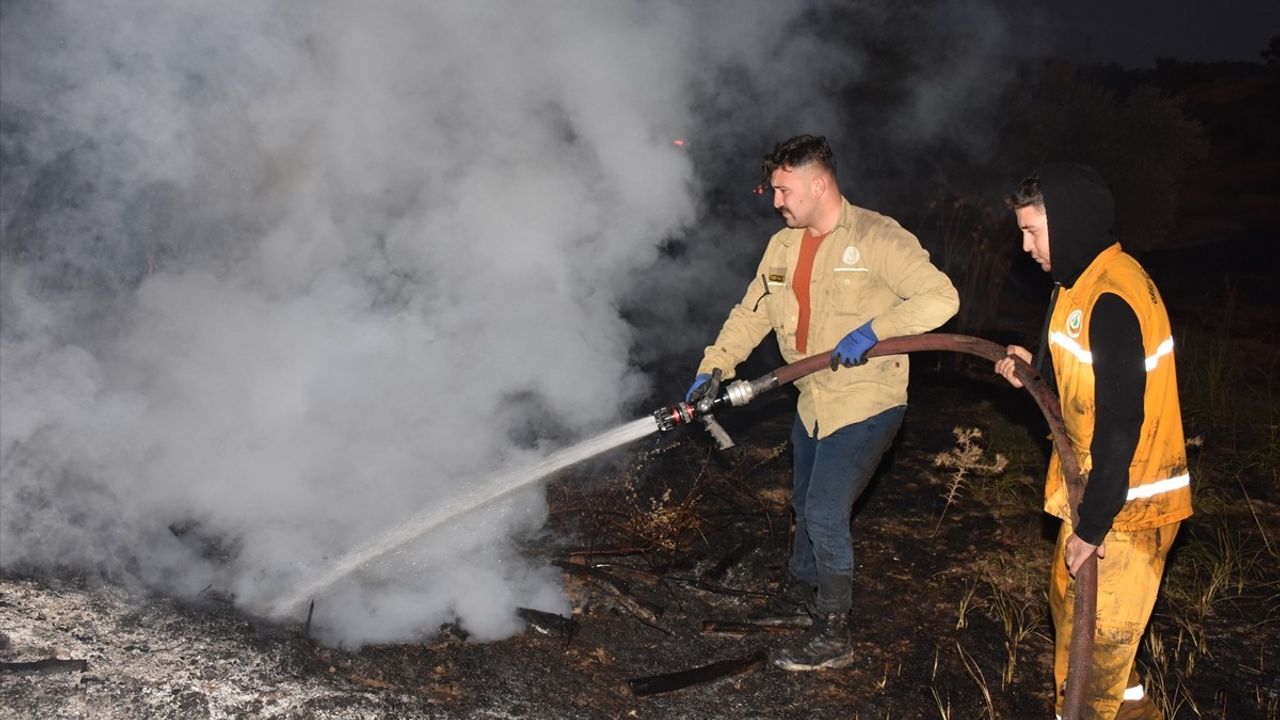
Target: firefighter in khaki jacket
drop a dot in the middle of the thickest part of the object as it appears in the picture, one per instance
(843, 277)
(1109, 338)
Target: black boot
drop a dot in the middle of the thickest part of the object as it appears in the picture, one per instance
(826, 647)
(792, 599)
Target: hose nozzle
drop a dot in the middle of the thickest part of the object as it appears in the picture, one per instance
(668, 418)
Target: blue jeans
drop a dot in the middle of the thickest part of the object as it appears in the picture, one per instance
(830, 474)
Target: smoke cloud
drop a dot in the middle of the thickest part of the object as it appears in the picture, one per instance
(278, 275)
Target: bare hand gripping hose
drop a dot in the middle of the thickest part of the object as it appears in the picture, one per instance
(1084, 610)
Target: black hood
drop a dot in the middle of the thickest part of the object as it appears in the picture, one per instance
(1081, 213)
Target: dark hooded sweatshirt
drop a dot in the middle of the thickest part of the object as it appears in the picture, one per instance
(1080, 213)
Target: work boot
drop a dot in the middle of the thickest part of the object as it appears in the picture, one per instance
(826, 647)
(792, 598)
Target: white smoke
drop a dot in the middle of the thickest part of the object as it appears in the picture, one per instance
(277, 275)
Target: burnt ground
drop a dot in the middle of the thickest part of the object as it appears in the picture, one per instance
(950, 614)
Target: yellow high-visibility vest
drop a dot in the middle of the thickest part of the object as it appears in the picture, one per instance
(1159, 482)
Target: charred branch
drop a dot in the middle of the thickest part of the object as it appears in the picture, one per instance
(620, 590)
(306, 628)
(549, 623)
(716, 588)
(607, 552)
(48, 666)
(655, 579)
(668, 682)
(768, 626)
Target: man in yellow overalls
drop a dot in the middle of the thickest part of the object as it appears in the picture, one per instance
(1109, 339)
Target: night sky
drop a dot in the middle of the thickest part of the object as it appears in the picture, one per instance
(1134, 34)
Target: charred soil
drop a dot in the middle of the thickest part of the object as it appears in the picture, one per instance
(672, 548)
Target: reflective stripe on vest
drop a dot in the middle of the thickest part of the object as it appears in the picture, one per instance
(1086, 357)
(1159, 486)
(1071, 346)
(1166, 348)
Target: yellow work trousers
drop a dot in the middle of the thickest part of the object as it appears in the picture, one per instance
(1128, 580)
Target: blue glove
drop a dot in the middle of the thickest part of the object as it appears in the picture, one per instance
(853, 348)
(699, 383)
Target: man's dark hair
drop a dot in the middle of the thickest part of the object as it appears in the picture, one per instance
(1027, 194)
(799, 151)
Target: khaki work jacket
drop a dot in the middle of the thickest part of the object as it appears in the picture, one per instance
(868, 268)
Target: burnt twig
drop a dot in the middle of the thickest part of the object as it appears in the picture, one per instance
(668, 682)
(549, 623)
(715, 587)
(608, 552)
(47, 666)
(738, 628)
(306, 629)
(646, 611)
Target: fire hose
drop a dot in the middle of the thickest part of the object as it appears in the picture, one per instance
(1084, 610)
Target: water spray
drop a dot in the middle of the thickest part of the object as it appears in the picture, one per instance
(702, 407)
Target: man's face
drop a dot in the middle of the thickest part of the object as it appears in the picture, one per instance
(793, 195)
(1034, 224)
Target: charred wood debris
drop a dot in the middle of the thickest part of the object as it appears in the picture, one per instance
(655, 552)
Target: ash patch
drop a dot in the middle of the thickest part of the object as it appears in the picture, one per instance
(150, 657)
